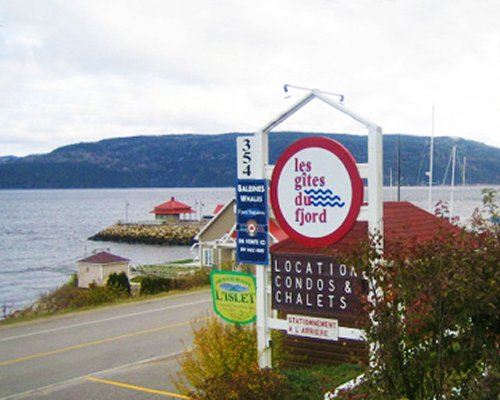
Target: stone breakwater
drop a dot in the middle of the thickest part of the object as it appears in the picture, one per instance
(173, 234)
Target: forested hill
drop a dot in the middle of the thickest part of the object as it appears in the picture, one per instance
(191, 160)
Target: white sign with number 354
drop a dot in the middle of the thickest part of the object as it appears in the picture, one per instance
(248, 157)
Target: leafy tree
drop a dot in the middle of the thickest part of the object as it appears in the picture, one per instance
(435, 311)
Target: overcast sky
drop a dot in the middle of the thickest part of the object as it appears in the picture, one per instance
(73, 71)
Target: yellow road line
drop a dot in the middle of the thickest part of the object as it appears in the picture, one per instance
(94, 343)
(138, 388)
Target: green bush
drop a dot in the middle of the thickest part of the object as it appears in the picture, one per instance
(71, 297)
(199, 277)
(223, 365)
(251, 384)
(73, 281)
(102, 294)
(119, 281)
(64, 297)
(312, 383)
(154, 284)
(219, 351)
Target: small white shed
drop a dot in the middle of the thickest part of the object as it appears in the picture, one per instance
(97, 268)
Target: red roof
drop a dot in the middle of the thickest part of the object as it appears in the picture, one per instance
(217, 209)
(172, 207)
(276, 231)
(402, 221)
(103, 257)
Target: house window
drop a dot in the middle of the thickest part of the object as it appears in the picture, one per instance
(208, 257)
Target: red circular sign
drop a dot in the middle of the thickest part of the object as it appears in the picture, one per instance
(316, 191)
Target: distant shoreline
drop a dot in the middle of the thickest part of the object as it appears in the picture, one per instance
(205, 161)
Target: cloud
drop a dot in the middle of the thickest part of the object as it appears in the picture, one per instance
(86, 70)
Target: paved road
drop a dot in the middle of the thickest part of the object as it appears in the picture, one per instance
(125, 351)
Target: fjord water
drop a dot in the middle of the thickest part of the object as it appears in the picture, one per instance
(44, 232)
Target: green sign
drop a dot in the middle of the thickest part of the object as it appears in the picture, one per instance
(233, 294)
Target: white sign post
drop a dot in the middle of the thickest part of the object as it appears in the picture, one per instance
(372, 212)
(252, 156)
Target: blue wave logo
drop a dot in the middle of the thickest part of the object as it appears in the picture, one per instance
(324, 198)
(234, 287)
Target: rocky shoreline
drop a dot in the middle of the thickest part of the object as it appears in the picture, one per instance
(181, 234)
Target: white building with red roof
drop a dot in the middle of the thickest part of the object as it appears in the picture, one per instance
(96, 269)
(172, 211)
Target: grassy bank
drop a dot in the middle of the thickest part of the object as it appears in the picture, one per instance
(68, 297)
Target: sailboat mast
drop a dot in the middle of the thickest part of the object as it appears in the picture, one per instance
(452, 180)
(431, 163)
(399, 166)
(390, 182)
(463, 171)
